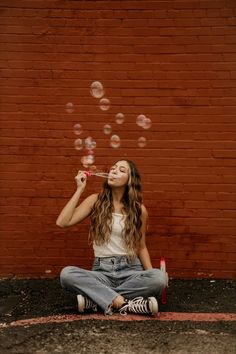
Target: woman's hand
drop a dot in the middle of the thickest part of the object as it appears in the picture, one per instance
(80, 179)
(72, 213)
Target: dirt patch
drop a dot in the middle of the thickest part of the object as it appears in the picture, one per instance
(123, 338)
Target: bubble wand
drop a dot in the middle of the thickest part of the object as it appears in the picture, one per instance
(98, 174)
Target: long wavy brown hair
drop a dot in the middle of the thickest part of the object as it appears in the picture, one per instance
(101, 214)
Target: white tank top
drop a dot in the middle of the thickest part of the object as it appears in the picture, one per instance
(116, 245)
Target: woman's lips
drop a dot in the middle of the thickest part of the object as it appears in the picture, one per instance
(111, 176)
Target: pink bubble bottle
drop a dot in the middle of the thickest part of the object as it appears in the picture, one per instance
(164, 292)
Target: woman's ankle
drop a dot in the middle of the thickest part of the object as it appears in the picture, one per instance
(118, 302)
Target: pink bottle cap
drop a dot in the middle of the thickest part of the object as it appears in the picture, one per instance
(87, 173)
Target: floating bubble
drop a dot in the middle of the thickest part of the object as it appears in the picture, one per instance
(84, 161)
(104, 104)
(90, 159)
(120, 118)
(90, 143)
(140, 120)
(97, 89)
(78, 143)
(77, 129)
(70, 107)
(87, 160)
(115, 141)
(142, 142)
(107, 129)
(147, 123)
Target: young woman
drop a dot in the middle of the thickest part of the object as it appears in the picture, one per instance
(122, 278)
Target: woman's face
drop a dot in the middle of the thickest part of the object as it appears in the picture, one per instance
(119, 174)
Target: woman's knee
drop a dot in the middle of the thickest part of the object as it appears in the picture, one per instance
(157, 280)
(66, 274)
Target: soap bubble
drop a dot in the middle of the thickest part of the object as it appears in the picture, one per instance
(90, 143)
(84, 161)
(77, 129)
(90, 159)
(140, 120)
(97, 89)
(120, 118)
(70, 107)
(104, 104)
(147, 123)
(87, 160)
(115, 141)
(78, 143)
(143, 121)
(107, 129)
(142, 141)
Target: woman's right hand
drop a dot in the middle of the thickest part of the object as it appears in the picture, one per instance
(81, 179)
(73, 213)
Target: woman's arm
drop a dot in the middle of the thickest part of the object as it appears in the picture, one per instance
(143, 253)
(71, 214)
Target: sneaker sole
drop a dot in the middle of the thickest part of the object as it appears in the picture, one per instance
(153, 305)
(81, 304)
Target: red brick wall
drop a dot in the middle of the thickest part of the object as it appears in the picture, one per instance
(171, 60)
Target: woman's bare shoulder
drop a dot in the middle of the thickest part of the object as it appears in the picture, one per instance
(144, 210)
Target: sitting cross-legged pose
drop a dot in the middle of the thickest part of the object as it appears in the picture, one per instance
(122, 278)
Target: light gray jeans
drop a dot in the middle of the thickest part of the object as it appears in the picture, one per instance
(113, 276)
